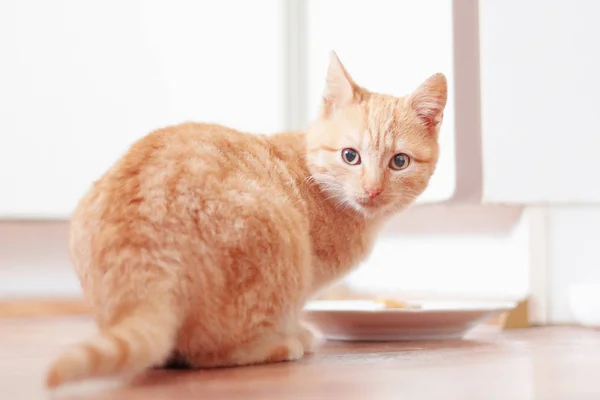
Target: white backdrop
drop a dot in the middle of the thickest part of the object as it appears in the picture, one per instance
(80, 81)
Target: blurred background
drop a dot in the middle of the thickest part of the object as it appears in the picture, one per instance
(512, 212)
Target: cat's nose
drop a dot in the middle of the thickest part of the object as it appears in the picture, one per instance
(372, 191)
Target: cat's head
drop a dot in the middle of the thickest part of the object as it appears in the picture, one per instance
(373, 152)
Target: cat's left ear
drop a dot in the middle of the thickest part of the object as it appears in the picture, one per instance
(429, 101)
(340, 89)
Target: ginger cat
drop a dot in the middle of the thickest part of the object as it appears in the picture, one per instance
(202, 244)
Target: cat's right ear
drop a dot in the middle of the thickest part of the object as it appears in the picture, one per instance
(340, 89)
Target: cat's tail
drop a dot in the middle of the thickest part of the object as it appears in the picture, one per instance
(143, 338)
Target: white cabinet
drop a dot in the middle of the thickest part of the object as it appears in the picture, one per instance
(540, 100)
(389, 46)
(80, 81)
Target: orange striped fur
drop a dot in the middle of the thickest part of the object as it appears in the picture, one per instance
(202, 244)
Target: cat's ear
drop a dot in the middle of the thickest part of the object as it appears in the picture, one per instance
(429, 101)
(340, 89)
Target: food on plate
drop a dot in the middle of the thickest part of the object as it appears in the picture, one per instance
(393, 303)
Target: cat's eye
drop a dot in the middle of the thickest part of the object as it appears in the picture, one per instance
(399, 162)
(351, 156)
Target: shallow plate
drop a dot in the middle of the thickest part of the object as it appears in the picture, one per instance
(370, 321)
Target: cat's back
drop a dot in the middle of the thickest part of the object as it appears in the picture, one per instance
(186, 146)
(186, 162)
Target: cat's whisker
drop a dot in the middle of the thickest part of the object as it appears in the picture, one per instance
(335, 196)
(310, 180)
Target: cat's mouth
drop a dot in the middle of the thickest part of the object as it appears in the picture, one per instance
(367, 202)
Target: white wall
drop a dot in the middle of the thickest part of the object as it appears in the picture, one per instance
(573, 255)
(34, 261)
(482, 265)
(540, 85)
(80, 81)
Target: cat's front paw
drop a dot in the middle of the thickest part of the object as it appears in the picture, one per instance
(310, 338)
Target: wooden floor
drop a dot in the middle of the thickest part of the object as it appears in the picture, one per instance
(542, 363)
